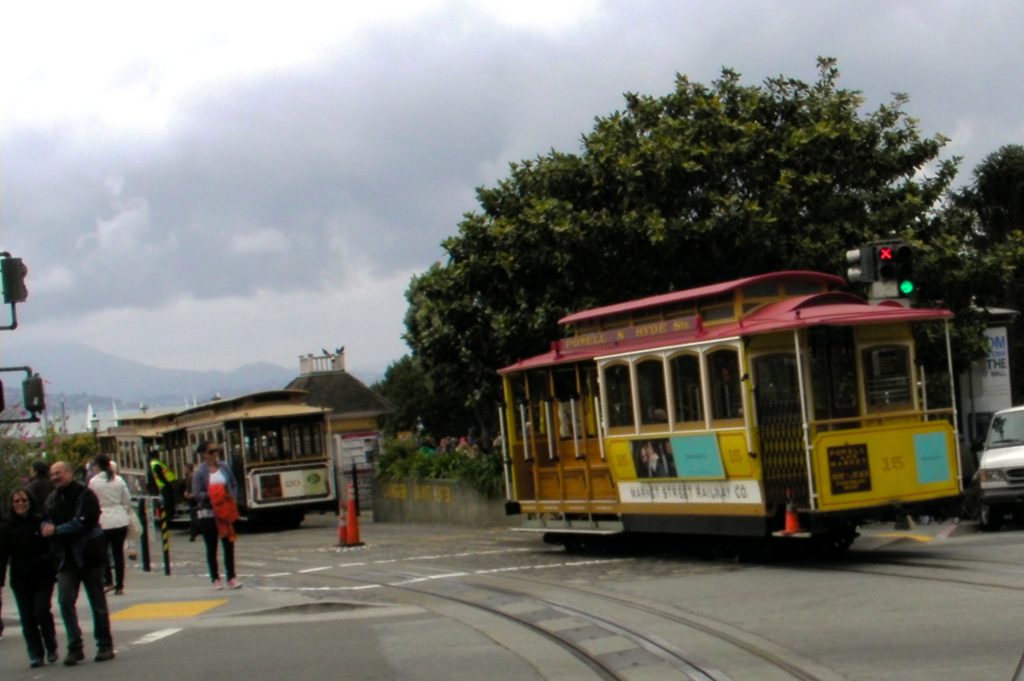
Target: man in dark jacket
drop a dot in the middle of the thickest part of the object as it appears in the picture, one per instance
(40, 486)
(79, 548)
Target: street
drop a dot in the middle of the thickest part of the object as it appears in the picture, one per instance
(938, 601)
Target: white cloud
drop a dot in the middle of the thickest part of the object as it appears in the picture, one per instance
(366, 316)
(260, 242)
(53, 279)
(543, 15)
(153, 150)
(124, 232)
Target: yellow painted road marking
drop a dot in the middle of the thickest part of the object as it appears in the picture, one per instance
(906, 535)
(167, 609)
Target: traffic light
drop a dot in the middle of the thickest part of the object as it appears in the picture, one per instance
(32, 394)
(894, 263)
(860, 265)
(13, 273)
(885, 262)
(905, 270)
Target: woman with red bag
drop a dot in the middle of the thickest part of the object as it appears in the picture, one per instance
(215, 490)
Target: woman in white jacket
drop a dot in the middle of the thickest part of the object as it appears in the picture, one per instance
(115, 505)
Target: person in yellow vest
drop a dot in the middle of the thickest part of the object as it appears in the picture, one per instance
(163, 479)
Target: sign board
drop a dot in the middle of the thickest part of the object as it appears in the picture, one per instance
(848, 469)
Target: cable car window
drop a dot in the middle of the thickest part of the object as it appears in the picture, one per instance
(565, 394)
(620, 399)
(776, 388)
(887, 377)
(724, 375)
(686, 396)
(650, 379)
(834, 373)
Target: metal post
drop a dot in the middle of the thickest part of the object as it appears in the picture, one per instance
(599, 420)
(144, 538)
(165, 534)
(526, 435)
(506, 459)
(552, 454)
(956, 415)
(575, 430)
(355, 485)
(811, 496)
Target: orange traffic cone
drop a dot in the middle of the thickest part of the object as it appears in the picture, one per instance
(352, 529)
(792, 519)
(342, 526)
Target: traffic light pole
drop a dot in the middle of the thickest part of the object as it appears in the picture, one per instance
(31, 395)
(12, 275)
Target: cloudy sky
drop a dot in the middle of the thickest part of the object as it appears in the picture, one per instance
(207, 184)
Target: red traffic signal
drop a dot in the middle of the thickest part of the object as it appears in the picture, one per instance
(885, 262)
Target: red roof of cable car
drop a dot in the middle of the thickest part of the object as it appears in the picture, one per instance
(831, 308)
(702, 292)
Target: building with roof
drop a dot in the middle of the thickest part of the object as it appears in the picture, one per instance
(354, 409)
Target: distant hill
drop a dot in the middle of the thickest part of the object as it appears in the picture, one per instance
(78, 371)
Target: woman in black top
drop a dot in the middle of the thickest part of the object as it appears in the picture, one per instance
(32, 575)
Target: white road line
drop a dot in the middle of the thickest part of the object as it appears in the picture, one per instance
(321, 588)
(576, 563)
(350, 564)
(316, 569)
(448, 575)
(465, 554)
(277, 574)
(155, 636)
(431, 577)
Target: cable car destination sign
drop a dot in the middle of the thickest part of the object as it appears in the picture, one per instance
(687, 326)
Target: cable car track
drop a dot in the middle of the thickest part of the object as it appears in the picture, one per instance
(534, 612)
(562, 636)
(716, 630)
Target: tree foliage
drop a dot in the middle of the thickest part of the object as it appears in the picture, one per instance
(420, 405)
(404, 459)
(982, 263)
(704, 184)
(18, 449)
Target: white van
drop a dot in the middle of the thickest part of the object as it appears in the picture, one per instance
(1001, 470)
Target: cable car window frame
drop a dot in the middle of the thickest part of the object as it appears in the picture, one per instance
(651, 387)
(678, 422)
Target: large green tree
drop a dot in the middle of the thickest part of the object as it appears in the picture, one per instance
(707, 183)
(985, 220)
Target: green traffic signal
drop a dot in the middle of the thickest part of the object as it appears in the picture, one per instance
(906, 287)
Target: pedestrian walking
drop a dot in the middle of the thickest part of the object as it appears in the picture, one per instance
(79, 549)
(39, 485)
(115, 507)
(23, 547)
(215, 491)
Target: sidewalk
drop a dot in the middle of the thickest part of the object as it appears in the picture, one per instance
(152, 601)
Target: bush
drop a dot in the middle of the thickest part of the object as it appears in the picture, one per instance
(402, 459)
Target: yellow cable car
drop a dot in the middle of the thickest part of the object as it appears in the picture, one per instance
(772, 404)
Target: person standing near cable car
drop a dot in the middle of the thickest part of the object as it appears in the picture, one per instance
(215, 490)
(163, 479)
(115, 509)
